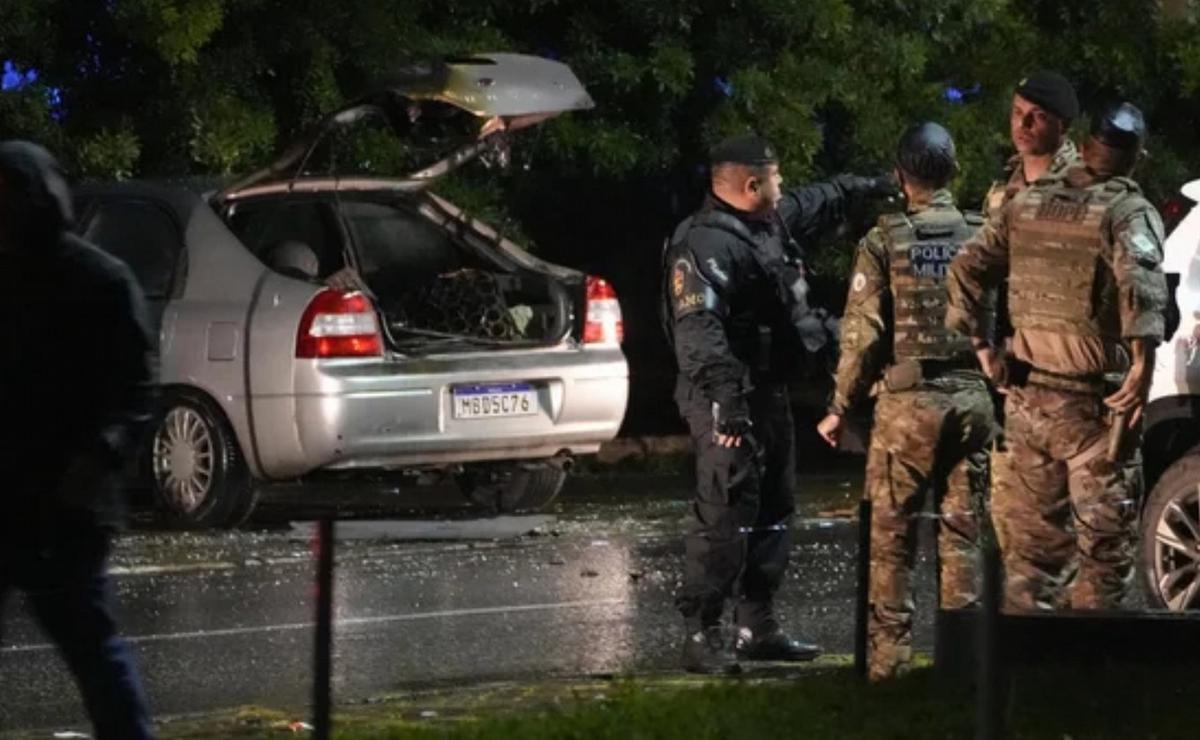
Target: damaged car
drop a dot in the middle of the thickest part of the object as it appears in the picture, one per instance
(313, 319)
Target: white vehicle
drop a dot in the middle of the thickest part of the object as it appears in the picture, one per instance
(1170, 523)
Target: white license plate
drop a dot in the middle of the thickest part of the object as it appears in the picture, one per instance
(494, 401)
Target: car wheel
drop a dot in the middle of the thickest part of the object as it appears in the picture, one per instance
(1170, 540)
(200, 477)
(508, 490)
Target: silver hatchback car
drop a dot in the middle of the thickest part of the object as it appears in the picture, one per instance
(311, 320)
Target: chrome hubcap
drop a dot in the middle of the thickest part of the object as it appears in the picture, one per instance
(1177, 552)
(184, 459)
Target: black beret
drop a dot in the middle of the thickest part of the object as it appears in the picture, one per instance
(747, 149)
(1051, 91)
(1121, 126)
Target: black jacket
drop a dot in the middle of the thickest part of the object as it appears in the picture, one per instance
(734, 287)
(75, 372)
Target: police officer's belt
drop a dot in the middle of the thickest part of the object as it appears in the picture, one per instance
(907, 374)
(931, 369)
(1091, 383)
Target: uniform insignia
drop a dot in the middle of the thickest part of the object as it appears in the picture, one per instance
(931, 259)
(716, 270)
(1144, 245)
(860, 282)
(679, 277)
(1063, 211)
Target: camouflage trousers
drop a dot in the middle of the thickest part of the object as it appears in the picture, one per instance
(1064, 513)
(932, 440)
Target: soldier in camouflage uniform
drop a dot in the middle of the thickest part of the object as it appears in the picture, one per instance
(1043, 106)
(1082, 250)
(934, 416)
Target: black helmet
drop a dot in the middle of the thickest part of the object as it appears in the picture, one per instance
(1121, 126)
(926, 151)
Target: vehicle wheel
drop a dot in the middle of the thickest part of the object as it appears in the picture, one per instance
(508, 490)
(1170, 537)
(200, 477)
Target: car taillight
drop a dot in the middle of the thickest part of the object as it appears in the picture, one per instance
(602, 322)
(337, 324)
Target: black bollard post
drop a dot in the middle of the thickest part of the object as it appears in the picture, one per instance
(990, 678)
(323, 649)
(862, 602)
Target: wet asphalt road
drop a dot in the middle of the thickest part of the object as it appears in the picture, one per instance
(225, 619)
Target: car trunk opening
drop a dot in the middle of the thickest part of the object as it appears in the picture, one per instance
(444, 288)
(440, 281)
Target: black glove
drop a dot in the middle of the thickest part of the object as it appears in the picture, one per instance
(731, 418)
(880, 186)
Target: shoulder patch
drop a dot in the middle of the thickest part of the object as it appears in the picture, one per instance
(679, 275)
(1144, 246)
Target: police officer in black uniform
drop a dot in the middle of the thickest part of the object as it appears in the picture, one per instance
(735, 294)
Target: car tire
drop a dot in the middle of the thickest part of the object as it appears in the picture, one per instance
(512, 490)
(198, 474)
(1170, 537)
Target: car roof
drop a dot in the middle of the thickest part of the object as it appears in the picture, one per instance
(182, 195)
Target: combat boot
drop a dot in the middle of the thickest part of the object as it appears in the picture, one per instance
(704, 652)
(772, 644)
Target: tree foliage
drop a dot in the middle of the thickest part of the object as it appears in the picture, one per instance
(154, 87)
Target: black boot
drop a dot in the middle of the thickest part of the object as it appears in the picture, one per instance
(704, 652)
(772, 643)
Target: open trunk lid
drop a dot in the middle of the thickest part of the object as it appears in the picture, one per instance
(500, 92)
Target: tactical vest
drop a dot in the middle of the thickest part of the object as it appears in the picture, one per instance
(920, 248)
(756, 310)
(1057, 281)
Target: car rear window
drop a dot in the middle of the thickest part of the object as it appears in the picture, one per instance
(395, 241)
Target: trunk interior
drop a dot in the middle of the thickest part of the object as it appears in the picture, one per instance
(441, 280)
(478, 304)
(442, 288)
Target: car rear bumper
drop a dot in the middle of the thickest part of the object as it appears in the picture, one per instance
(399, 413)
